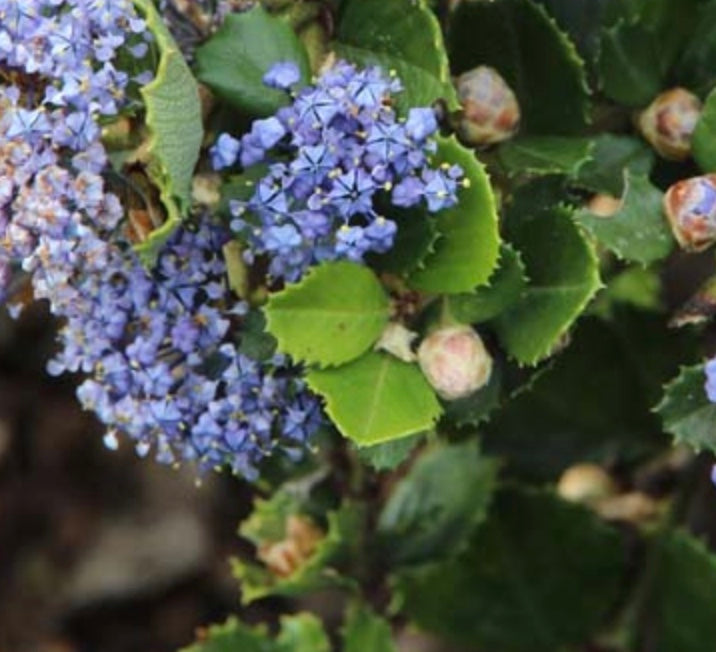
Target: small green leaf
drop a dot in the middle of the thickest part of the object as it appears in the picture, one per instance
(563, 273)
(551, 88)
(680, 597)
(521, 585)
(301, 633)
(438, 504)
(389, 455)
(401, 36)
(546, 155)
(468, 248)
(638, 230)
(703, 143)
(174, 123)
(376, 398)
(232, 636)
(319, 571)
(505, 286)
(686, 411)
(254, 341)
(612, 156)
(629, 65)
(333, 315)
(234, 60)
(365, 631)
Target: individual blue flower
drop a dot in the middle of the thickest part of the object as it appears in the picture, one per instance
(224, 152)
(282, 75)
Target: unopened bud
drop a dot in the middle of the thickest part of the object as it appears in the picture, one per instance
(455, 361)
(491, 112)
(603, 205)
(690, 207)
(668, 123)
(586, 484)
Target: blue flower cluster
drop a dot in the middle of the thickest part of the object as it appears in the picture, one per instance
(156, 344)
(329, 156)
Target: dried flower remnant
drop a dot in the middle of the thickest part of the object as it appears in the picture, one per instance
(455, 361)
(668, 123)
(491, 111)
(690, 206)
(283, 558)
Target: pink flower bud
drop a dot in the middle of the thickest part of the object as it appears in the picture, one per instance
(491, 111)
(669, 122)
(690, 206)
(455, 361)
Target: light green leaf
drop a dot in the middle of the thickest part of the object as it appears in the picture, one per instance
(174, 125)
(680, 596)
(505, 286)
(232, 636)
(563, 273)
(686, 411)
(234, 60)
(506, 34)
(301, 633)
(629, 65)
(437, 505)
(638, 231)
(703, 143)
(612, 156)
(376, 398)
(319, 571)
(364, 631)
(333, 315)
(468, 248)
(389, 455)
(546, 155)
(520, 585)
(402, 36)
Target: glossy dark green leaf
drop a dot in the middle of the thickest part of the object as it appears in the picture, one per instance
(546, 155)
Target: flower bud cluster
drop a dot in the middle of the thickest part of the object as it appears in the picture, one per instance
(155, 344)
(332, 157)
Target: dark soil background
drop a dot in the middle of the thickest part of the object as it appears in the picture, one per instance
(99, 550)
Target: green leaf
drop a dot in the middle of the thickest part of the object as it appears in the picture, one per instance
(437, 505)
(593, 402)
(563, 273)
(546, 155)
(468, 248)
(638, 230)
(233, 61)
(629, 65)
(686, 411)
(402, 36)
(551, 88)
(680, 604)
(505, 286)
(635, 286)
(255, 342)
(703, 143)
(301, 633)
(232, 636)
(414, 241)
(333, 315)
(389, 455)
(365, 631)
(696, 68)
(476, 408)
(376, 398)
(611, 157)
(174, 124)
(521, 585)
(320, 571)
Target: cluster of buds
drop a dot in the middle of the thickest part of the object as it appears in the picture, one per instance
(455, 361)
(690, 206)
(668, 123)
(284, 558)
(491, 113)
